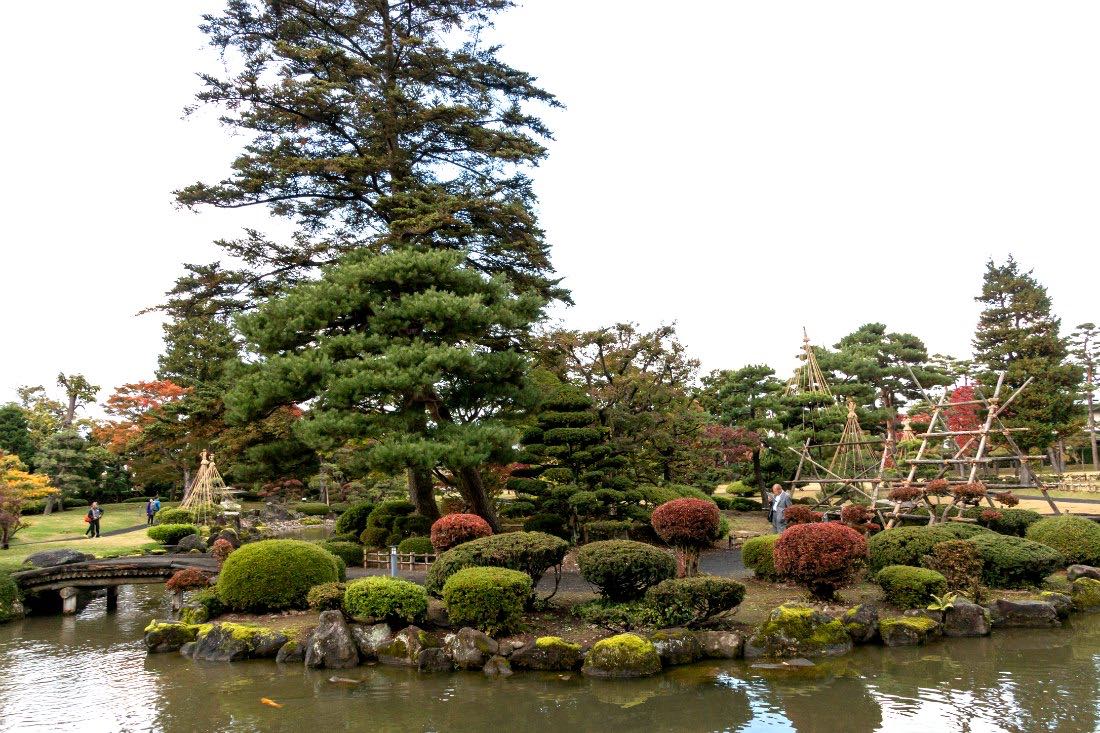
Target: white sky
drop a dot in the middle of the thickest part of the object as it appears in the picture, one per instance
(742, 168)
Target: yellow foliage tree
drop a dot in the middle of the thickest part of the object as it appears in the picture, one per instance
(17, 489)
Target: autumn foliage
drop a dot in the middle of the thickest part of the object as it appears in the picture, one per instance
(17, 489)
(689, 525)
(221, 549)
(963, 416)
(454, 529)
(799, 514)
(824, 556)
(187, 579)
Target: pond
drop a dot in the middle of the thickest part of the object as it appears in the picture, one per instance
(90, 673)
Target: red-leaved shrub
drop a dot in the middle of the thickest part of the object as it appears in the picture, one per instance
(937, 487)
(454, 529)
(858, 517)
(689, 525)
(221, 549)
(1006, 498)
(188, 579)
(799, 514)
(969, 493)
(991, 515)
(904, 493)
(823, 556)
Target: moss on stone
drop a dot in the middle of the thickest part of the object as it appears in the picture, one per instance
(1086, 594)
(624, 655)
(921, 624)
(798, 622)
(546, 642)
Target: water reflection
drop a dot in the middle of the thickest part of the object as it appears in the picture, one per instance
(90, 673)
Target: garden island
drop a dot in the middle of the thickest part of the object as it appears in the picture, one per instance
(368, 450)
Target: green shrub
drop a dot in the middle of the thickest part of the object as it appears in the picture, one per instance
(489, 599)
(411, 525)
(354, 520)
(350, 552)
(344, 537)
(964, 530)
(171, 534)
(691, 601)
(386, 513)
(416, 546)
(618, 616)
(209, 600)
(1011, 521)
(174, 515)
(909, 587)
(375, 537)
(311, 508)
(960, 562)
(392, 600)
(724, 502)
(326, 597)
(1015, 562)
(274, 574)
(740, 488)
(341, 567)
(1077, 538)
(607, 529)
(547, 523)
(9, 594)
(512, 509)
(690, 492)
(758, 555)
(529, 552)
(907, 545)
(741, 504)
(136, 500)
(623, 570)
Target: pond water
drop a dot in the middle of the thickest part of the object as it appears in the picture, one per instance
(90, 673)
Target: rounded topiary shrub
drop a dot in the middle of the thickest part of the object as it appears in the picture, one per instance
(758, 555)
(171, 534)
(375, 537)
(1005, 521)
(221, 549)
(410, 525)
(354, 520)
(960, 562)
(420, 546)
(489, 599)
(1015, 562)
(548, 524)
(623, 570)
(9, 597)
(691, 601)
(311, 508)
(326, 597)
(188, 579)
(743, 504)
(689, 525)
(173, 515)
(906, 545)
(392, 600)
(823, 556)
(1077, 538)
(274, 574)
(909, 587)
(454, 529)
(350, 552)
(529, 552)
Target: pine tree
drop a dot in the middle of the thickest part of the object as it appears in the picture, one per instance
(412, 354)
(1086, 351)
(66, 460)
(15, 435)
(1018, 333)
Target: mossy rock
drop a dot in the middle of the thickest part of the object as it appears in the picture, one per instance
(677, 646)
(548, 653)
(1063, 604)
(168, 636)
(414, 647)
(194, 613)
(625, 655)
(909, 630)
(861, 623)
(1086, 595)
(232, 642)
(797, 630)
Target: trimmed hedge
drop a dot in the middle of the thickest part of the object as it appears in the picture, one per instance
(823, 556)
(607, 529)
(416, 546)
(529, 552)
(758, 555)
(326, 597)
(1015, 562)
(275, 574)
(392, 600)
(908, 587)
(489, 599)
(9, 594)
(350, 552)
(1077, 538)
(453, 529)
(354, 520)
(171, 534)
(311, 508)
(907, 545)
(741, 504)
(550, 524)
(623, 570)
(692, 601)
(1011, 521)
(174, 515)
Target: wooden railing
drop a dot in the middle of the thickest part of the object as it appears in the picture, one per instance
(405, 560)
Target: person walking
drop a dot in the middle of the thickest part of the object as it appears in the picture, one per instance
(781, 499)
(149, 511)
(92, 518)
(156, 504)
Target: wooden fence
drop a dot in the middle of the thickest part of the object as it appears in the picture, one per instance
(405, 560)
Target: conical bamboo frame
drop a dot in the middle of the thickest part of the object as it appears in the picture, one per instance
(851, 455)
(206, 490)
(808, 377)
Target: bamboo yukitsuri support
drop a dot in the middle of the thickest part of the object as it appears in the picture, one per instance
(808, 377)
(207, 490)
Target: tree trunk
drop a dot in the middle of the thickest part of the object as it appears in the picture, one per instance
(758, 476)
(422, 492)
(1092, 433)
(473, 491)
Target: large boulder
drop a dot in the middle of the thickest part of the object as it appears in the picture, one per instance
(1062, 603)
(966, 619)
(229, 535)
(294, 651)
(721, 644)
(50, 558)
(625, 655)
(861, 623)
(677, 646)
(414, 647)
(796, 630)
(469, 648)
(908, 630)
(371, 638)
(189, 543)
(229, 642)
(168, 636)
(1023, 614)
(331, 644)
(1073, 572)
(497, 666)
(1086, 594)
(548, 653)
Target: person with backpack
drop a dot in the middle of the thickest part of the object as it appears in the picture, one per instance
(92, 518)
(149, 511)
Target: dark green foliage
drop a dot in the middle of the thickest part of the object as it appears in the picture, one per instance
(354, 520)
(741, 504)
(513, 509)
(375, 537)
(529, 552)
(271, 575)
(1011, 521)
(65, 458)
(171, 534)
(490, 599)
(910, 587)
(9, 594)
(623, 570)
(350, 552)
(960, 562)
(607, 529)
(1015, 562)
(417, 546)
(208, 599)
(392, 521)
(758, 555)
(174, 515)
(1077, 538)
(392, 600)
(412, 525)
(548, 523)
(907, 545)
(326, 597)
(15, 437)
(618, 616)
(311, 508)
(692, 601)
(724, 502)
